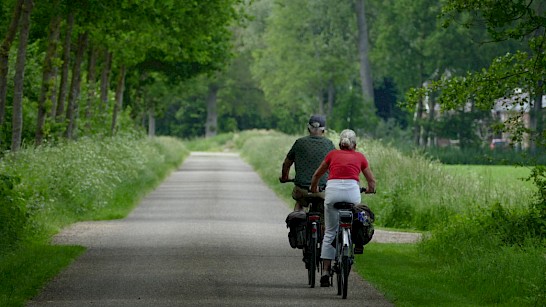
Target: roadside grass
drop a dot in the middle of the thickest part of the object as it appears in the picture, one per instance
(408, 278)
(494, 277)
(23, 272)
(511, 176)
(50, 187)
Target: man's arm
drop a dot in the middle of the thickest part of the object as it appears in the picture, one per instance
(285, 172)
(321, 170)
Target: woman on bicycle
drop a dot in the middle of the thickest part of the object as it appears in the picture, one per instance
(344, 166)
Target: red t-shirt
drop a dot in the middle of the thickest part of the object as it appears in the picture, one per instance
(345, 164)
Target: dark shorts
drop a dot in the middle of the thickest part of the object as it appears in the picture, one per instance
(299, 193)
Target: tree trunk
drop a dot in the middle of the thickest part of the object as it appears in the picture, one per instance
(48, 76)
(536, 119)
(105, 80)
(66, 64)
(363, 48)
(418, 115)
(320, 100)
(4, 57)
(151, 123)
(72, 109)
(417, 123)
(427, 137)
(91, 84)
(211, 126)
(119, 99)
(17, 119)
(331, 97)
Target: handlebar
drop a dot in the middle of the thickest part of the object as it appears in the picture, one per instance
(362, 189)
(285, 181)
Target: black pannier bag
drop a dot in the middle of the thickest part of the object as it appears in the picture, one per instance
(363, 219)
(296, 222)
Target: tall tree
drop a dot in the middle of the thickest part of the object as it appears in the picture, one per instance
(522, 69)
(63, 85)
(17, 116)
(211, 126)
(91, 81)
(120, 88)
(4, 56)
(412, 48)
(48, 74)
(363, 51)
(105, 79)
(72, 109)
(304, 57)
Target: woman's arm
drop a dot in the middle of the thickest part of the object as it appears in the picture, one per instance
(323, 167)
(370, 179)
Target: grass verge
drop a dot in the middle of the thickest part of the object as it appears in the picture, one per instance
(24, 271)
(409, 277)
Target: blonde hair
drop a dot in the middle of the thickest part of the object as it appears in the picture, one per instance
(347, 139)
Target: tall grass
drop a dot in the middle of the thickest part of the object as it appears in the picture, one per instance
(51, 186)
(414, 192)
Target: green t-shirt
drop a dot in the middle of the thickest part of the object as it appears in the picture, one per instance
(308, 153)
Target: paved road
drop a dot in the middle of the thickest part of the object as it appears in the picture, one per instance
(212, 234)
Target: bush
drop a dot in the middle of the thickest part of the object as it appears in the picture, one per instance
(494, 254)
(12, 213)
(485, 156)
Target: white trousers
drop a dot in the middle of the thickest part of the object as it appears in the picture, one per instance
(337, 190)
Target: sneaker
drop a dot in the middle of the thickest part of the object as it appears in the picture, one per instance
(325, 281)
(359, 249)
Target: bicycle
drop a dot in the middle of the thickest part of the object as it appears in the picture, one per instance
(344, 257)
(313, 237)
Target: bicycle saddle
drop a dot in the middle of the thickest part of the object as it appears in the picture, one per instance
(343, 205)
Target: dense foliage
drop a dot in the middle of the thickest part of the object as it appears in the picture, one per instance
(70, 68)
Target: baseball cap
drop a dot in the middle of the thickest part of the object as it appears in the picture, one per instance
(317, 121)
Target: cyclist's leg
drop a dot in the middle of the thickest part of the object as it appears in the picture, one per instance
(328, 251)
(298, 194)
(336, 191)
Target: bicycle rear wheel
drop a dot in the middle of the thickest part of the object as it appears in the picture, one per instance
(338, 269)
(345, 269)
(312, 268)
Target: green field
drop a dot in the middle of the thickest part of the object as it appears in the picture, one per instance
(512, 176)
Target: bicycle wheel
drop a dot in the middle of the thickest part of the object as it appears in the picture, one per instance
(311, 269)
(345, 269)
(339, 255)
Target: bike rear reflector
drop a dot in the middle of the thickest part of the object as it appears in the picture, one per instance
(345, 225)
(314, 217)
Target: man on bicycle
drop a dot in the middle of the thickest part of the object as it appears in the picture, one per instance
(307, 153)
